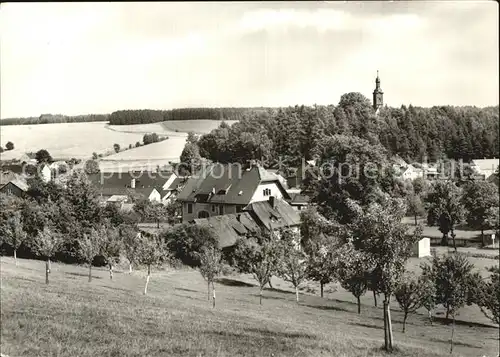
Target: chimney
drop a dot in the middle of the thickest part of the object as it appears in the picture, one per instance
(272, 201)
(132, 183)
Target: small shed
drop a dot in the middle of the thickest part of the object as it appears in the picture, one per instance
(422, 248)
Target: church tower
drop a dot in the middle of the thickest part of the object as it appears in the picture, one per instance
(378, 95)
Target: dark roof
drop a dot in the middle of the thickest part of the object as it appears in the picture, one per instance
(297, 198)
(227, 184)
(282, 215)
(119, 183)
(23, 186)
(229, 227)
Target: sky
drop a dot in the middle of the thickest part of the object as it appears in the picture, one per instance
(80, 58)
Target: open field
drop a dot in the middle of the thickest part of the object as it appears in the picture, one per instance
(146, 157)
(80, 140)
(198, 126)
(64, 140)
(71, 317)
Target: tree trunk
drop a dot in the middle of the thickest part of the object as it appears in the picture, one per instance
(386, 342)
(452, 333)
(359, 304)
(158, 224)
(15, 256)
(130, 268)
(388, 332)
(389, 327)
(208, 290)
(444, 240)
(404, 321)
(111, 271)
(147, 280)
(90, 272)
(47, 271)
(375, 298)
(260, 296)
(50, 263)
(321, 287)
(447, 312)
(297, 294)
(270, 285)
(482, 236)
(454, 242)
(430, 315)
(213, 290)
(416, 220)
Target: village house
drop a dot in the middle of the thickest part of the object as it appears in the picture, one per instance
(227, 189)
(119, 188)
(16, 187)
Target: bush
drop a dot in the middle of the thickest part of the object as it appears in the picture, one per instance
(9, 145)
(186, 242)
(1, 149)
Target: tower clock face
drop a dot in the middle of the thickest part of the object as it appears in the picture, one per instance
(379, 98)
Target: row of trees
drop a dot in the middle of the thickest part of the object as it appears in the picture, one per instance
(126, 117)
(289, 134)
(55, 118)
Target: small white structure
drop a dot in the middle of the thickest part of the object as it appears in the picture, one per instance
(46, 173)
(485, 167)
(422, 248)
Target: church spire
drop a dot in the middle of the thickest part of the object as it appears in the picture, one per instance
(378, 95)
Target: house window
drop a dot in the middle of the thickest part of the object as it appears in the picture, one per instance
(239, 209)
(190, 208)
(221, 209)
(213, 208)
(203, 214)
(267, 192)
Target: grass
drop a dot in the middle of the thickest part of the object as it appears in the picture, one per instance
(71, 317)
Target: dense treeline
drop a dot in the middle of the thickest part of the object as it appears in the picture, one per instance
(125, 117)
(55, 118)
(301, 132)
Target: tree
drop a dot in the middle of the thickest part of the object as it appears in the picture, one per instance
(412, 293)
(415, 206)
(190, 158)
(157, 212)
(9, 145)
(89, 247)
(185, 241)
(43, 156)
(489, 298)
(130, 236)
(91, 167)
(352, 270)
(379, 233)
(151, 251)
(1, 149)
(293, 265)
(210, 267)
(13, 232)
(137, 144)
(111, 246)
(95, 156)
(478, 198)
(453, 278)
(445, 208)
(47, 242)
(192, 138)
(257, 254)
(116, 147)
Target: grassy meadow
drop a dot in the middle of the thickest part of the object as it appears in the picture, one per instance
(72, 317)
